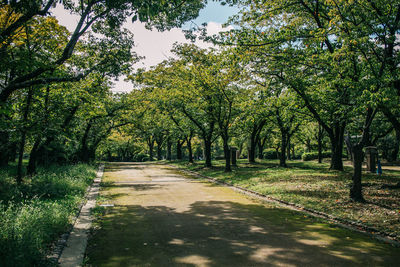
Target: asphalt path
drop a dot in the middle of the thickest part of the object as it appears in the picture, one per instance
(158, 217)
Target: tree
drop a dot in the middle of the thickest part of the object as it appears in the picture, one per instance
(102, 17)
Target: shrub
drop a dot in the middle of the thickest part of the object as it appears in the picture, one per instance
(314, 155)
(270, 154)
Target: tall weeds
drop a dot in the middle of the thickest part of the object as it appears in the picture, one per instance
(34, 214)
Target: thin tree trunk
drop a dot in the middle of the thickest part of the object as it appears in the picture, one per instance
(282, 155)
(23, 135)
(227, 152)
(20, 156)
(179, 150)
(190, 151)
(150, 143)
(159, 141)
(356, 188)
(31, 169)
(4, 150)
(319, 143)
(12, 155)
(207, 152)
(169, 149)
(84, 150)
(253, 144)
(395, 152)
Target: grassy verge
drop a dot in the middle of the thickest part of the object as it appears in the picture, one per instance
(312, 185)
(34, 214)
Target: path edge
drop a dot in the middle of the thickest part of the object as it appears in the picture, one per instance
(344, 223)
(60, 245)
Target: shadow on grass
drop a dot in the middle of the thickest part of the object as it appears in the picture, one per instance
(215, 233)
(315, 194)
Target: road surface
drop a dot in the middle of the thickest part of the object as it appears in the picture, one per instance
(161, 218)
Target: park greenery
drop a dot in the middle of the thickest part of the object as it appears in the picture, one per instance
(291, 80)
(36, 213)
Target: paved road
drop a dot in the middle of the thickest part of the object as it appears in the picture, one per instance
(161, 218)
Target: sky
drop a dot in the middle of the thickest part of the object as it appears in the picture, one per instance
(153, 45)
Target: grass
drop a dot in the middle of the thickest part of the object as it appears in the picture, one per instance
(34, 214)
(313, 185)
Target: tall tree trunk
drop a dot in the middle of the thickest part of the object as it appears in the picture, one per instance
(356, 188)
(358, 156)
(21, 156)
(337, 148)
(31, 169)
(395, 121)
(13, 148)
(282, 155)
(207, 152)
(159, 152)
(179, 149)
(190, 151)
(150, 143)
(159, 141)
(394, 155)
(4, 148)
(253, 144)
(23, 135)
(288, 149)
(227, 151)
(169, 149)
(84, 150)
(319, 139)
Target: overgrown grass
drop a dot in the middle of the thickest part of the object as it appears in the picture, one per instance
(34, 214)
(313, 185)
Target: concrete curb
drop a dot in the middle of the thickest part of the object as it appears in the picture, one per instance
(351, 225)
(74, 246)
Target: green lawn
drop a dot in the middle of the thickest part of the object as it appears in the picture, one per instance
(314, 186)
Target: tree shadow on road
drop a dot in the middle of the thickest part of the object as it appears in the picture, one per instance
(217, 233)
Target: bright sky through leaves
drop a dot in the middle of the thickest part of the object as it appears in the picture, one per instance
(155, 46)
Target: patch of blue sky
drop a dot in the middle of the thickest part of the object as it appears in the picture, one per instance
(213, 12)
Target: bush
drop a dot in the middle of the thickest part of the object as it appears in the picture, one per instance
(270, 154)
(314, 155)
(38, 212)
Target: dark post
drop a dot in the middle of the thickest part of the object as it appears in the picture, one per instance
(370, 154)
(233, 155)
